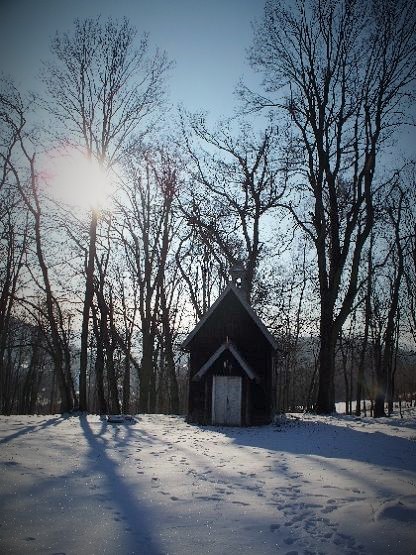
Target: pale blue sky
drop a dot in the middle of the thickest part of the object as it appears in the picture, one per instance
(206, 38)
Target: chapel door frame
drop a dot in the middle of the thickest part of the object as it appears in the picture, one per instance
(227, 400)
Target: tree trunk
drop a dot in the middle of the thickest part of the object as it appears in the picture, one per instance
(99, 363)
(168, 358)
(146, 374)
(64, 389)
(126, 384)
(361, 364)
(344, 356)
(326, 401)
(110, 341)
(379, 382)
(88, 297)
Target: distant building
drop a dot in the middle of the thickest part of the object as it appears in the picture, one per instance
(231, 359)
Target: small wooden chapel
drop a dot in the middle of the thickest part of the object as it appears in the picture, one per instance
(231, 362)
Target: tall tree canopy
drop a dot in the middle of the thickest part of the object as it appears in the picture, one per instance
(342, 74)
(104, 93)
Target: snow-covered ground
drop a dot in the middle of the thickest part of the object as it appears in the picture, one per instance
(327, 485)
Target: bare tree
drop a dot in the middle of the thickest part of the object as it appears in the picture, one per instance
(386, 304)
(409, 225)
(366, 316)
(145, 233)
(21, 168)
(13, 233)
(104, 93)
(235, 183)
(13, 245)
(203, 269)
(342, 74)
(291, 323)
(127, 300)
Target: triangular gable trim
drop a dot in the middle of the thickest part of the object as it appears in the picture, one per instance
(227, 346)
(252, 314)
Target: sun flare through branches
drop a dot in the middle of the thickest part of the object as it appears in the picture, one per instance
(78, 180)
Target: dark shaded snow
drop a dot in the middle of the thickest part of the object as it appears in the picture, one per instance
(156, 485)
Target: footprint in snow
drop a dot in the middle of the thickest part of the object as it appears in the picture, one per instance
(329, 509)
(328, 535)
(274, 527)
(298, 517)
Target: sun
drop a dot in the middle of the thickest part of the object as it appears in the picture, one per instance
(79, 181)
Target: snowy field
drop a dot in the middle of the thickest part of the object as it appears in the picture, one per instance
(326, 485)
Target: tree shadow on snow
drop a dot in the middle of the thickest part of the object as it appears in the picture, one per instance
(329, 441)
(139, 537)
(55, 421)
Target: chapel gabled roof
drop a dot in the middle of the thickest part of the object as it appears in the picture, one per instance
(227, 346)
(231, 289)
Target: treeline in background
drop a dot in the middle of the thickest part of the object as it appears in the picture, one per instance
(122, 215)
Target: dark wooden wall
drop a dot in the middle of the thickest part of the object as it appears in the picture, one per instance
(231, 320)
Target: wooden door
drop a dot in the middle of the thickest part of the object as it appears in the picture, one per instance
(226, 400)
